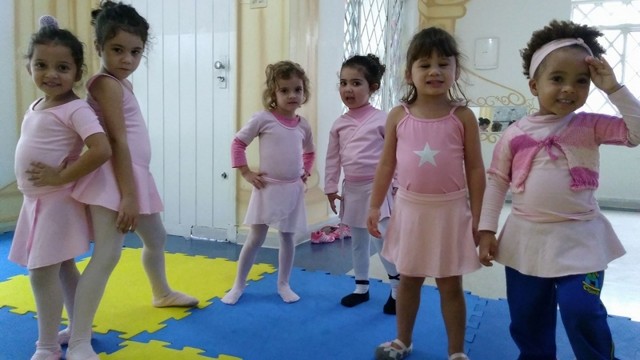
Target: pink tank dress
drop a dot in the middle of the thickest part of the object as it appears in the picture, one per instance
(429, 233)
(100, 187)
(52, 227)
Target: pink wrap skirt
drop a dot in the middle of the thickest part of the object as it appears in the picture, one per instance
(429, 235)
(51, 228)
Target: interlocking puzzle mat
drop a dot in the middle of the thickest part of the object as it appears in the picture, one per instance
(126, 308)
(260, 326)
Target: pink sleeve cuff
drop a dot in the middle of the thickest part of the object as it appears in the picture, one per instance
(238, 155)
(307, 161)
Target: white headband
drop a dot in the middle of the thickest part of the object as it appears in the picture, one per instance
(547, 48)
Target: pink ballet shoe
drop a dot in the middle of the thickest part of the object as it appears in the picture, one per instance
(320, 237)
(343, 231)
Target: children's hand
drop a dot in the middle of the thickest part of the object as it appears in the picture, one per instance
(372, 223)
(42, 175)
(602, 75)
(305, 176)
(332, 201)
(127, 219)
(254, 178)
(488, 247)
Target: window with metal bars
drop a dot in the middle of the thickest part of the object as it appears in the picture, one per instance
(619, 21)
(374, 27)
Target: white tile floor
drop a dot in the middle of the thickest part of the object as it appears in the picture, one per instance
(621, 292)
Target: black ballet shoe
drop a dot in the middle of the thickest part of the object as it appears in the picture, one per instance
(354, 299)
(390, 307)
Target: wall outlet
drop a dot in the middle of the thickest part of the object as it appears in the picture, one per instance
(257, 4)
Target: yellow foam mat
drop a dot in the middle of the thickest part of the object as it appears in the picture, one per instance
(157, 350)
(126, 306)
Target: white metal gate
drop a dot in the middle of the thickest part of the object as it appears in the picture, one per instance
(186, 93)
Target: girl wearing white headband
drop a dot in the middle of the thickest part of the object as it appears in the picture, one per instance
(556, 243)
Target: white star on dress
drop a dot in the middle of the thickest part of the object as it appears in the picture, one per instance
(427, 155)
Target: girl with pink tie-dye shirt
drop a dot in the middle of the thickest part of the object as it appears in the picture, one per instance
(556, 243)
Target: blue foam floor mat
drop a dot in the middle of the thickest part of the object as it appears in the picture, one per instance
(262, 327)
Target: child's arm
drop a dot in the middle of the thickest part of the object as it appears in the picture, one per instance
(308, 150)
(332, 170)
(108, 93)
(473, 164)
(492, 203)
(308, 159)
(239, 161)
(97, 153)
(385, 170)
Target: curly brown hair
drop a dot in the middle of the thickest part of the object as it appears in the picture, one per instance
(560, 30)
(282, 70)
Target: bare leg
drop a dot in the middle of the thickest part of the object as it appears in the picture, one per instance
(255, 239)
(47, 291)
(153, 235)
(408, 303)
(106, 254)
(285, 265)
(454, 311)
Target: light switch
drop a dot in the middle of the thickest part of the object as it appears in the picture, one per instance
(486, 53)
(257, 4)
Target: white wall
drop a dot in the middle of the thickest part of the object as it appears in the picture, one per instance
(513, 22)
(8, 113)
(330, 40)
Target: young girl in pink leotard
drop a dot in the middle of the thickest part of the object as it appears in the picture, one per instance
(286, 157)
(433, 143)
(122, 195)
(355, 145)
(52, 227)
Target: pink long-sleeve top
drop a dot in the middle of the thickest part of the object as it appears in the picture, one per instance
(356, 140)
(286, 145)
(551, 164)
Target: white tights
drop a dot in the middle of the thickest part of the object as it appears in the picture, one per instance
(47, 291)
(255, 240)
(106, 254)
(360, 246)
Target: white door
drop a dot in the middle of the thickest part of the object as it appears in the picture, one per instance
(185, 90)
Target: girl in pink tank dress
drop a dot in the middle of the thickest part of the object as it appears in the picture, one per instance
(52, 227)
(355, 146)
(121, 195)
(433, 144)
(286, 157)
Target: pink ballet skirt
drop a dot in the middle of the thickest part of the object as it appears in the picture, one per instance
(280, 204)
(429, 235)
(100, 188)
(51, 228)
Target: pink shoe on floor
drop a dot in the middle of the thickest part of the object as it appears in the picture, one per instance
(343, 231)
(320, 237)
